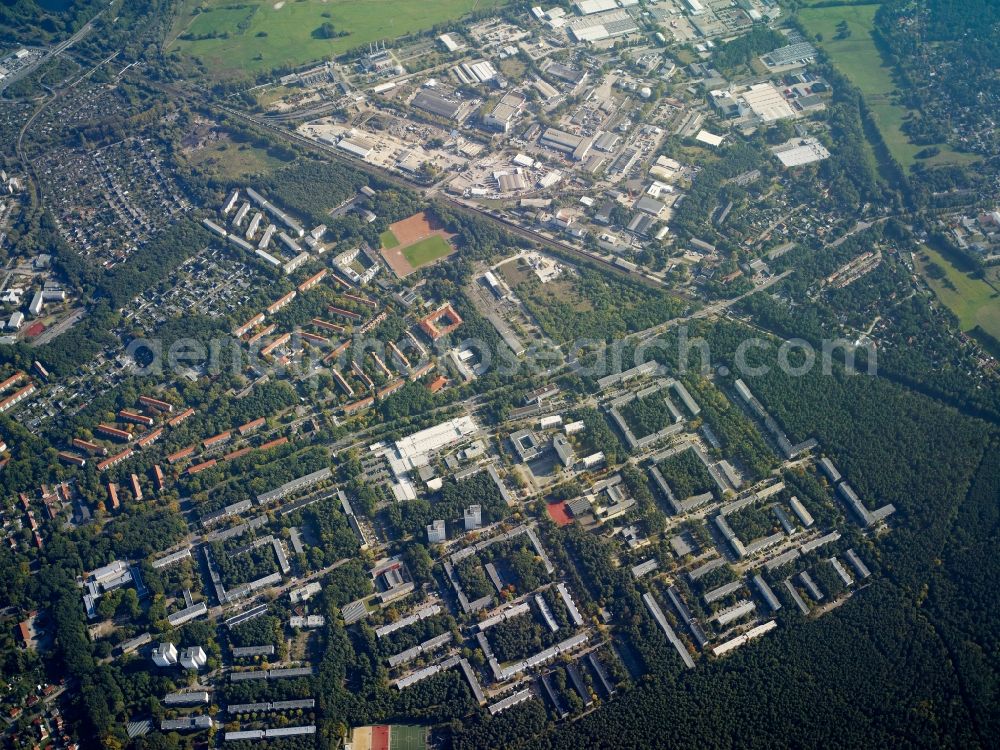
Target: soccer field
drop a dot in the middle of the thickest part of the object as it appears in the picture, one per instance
(234, 39)
(428, 250)
(405, 737)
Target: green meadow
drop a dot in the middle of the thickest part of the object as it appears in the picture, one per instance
(974, 300)
(859, 59)
(233, 39)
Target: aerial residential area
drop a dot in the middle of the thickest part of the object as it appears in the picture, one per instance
(610, 373)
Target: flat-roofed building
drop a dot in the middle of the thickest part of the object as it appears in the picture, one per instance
(767, 102)
(437, 105)
(559, 140)
(587, 7)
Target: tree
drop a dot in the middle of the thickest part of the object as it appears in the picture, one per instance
(418, 560)
(326, 30)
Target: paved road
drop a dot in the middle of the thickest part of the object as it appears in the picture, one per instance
(51, 54)
(61, 327)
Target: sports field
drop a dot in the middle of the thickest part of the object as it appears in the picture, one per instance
(860, 60)
(405, 737)
(414, 242)
(427, 251)
(975, 301)
(388, 239)
(233, 39)
(558, 513)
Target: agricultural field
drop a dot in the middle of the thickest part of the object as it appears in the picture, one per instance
(976, 301)
(860, 60)
(235, 39)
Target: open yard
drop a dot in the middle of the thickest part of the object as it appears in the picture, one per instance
(228, 160)
(860, 60)
(973, 300)
(233, 39)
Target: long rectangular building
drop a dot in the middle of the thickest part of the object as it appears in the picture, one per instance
(654, 609)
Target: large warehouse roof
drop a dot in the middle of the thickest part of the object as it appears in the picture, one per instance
(767, 102)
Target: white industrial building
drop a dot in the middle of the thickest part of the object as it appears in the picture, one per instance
(767, 103)
(800, 151)
(449, 43)
(597, 28)
(356, 146)
(503, 114)
(587, 7)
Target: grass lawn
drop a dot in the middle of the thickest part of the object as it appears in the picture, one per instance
(229, 161)
(388, 240)
(973, 300)
(425, 251)
(276, 33)
(860, 60)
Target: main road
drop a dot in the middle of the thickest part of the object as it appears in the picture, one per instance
(51, 54)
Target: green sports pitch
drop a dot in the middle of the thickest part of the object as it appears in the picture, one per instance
(233, 39)
(388, 239)
(426, 251)
(406, 737)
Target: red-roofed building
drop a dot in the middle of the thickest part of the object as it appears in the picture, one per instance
(155, 403)
(115, 459)
(113, 432)
(280, 303)
(359, 405)
(178, 418)
(149, 438)
(113, 496)
(158, 477)
(252, 426)
(181, 454)
(201, 467)
(431, 325)
(136, 487)
(312, 281)
(274, 443)
(132, 416)
(217, 439)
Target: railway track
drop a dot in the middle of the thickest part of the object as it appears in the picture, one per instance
(558, 246)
